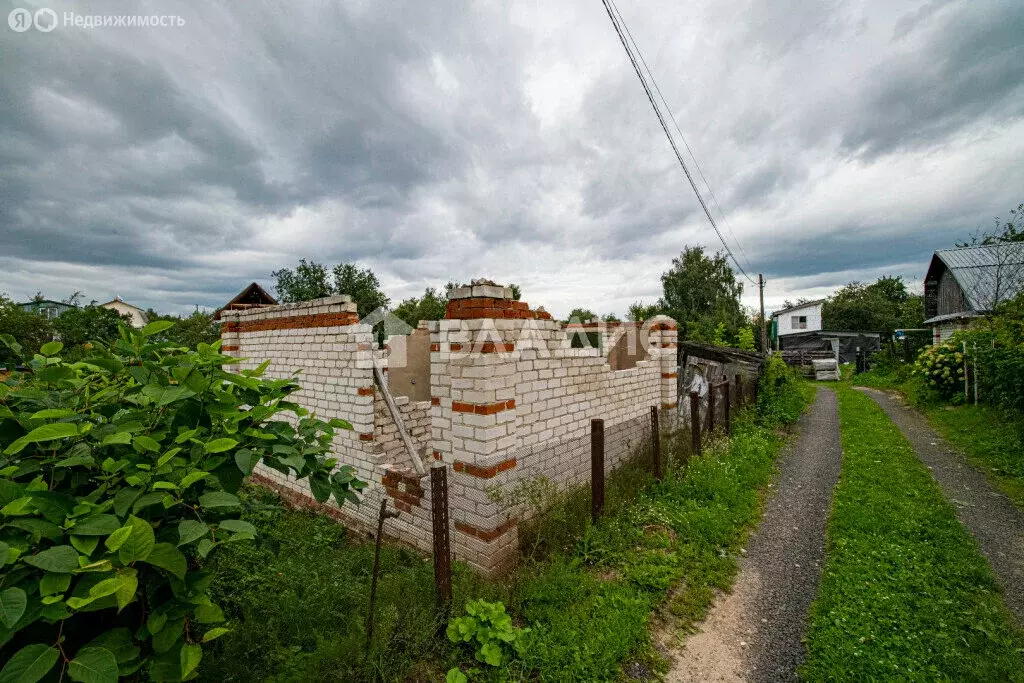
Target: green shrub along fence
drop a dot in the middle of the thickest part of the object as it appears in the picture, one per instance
(118, 477)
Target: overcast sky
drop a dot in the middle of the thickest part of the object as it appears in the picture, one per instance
(447, 141)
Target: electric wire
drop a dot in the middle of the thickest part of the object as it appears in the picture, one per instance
(668, 135)
(675, 123)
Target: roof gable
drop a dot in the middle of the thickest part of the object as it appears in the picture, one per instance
(987, 274)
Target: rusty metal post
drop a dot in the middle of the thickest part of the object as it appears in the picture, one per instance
(656, 443)
(695, 422)
(442, 542)
(711, 409)
(596, 469)
(728, 418)
(384, 514)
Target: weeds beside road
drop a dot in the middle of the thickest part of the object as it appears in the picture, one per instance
(297, 597)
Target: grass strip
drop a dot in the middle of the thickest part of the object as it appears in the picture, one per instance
(991, 438)
(905, 593)
(992, 441)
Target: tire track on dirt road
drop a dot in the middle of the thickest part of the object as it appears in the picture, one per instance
(756, 632)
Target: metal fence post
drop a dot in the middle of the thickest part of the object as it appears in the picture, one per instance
(711, 409)
(442, 543)
(695, 422)
(383, 515)
(728, 420)
(596, 469)
(656, 443)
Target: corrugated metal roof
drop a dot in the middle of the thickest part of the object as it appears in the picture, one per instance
(987, 274)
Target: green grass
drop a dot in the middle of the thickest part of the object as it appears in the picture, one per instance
(905, 594)
(991, 438)
(297, 596)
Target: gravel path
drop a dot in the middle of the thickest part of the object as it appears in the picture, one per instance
(997, 525)
(756, 632)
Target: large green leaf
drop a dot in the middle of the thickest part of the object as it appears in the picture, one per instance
(12, 606)
(62, 559)
(218, 499)
(99, 525)
(118, 641)
(246, 460)
(220, 445)
(168, 635)
(189, 530)
(140, 541)
(93, 665)
(166, 556)
(146, 443)
(51, 348)
(237, 525)
(156, 327)
(53, 584)
(51, 414)
(29, 664)
(190, 657)
(50, 432)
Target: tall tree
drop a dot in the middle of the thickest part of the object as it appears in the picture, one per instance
(582, 315)
(30, 330)
(883, 306)
(638, 311)
(701, 292)
(78, 326)
(431, 306)
(362, 285)
(312, 280)
(308, 281)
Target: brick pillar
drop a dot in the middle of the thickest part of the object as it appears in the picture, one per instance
(473, 374)
(664, 337)
(229, 335)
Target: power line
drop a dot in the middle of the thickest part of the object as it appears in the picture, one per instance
(672, 116)
(668, 134)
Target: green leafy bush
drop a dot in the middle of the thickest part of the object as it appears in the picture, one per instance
(489, 631)
(118, 473)
(780, 398)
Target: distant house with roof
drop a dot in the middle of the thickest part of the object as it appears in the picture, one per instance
(47, 308)
(137, 315)
(966, 283)
(803, 317)
(252, 296)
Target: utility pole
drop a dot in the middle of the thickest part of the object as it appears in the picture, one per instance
(764, 323)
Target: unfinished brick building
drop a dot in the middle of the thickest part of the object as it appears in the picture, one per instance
(495, 392)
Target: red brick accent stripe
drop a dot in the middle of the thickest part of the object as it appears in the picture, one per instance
(437, 455)
(366, 437)
(486, 307)
(435, 400)
(484, 472)
(297, 322)
(668, 345)
(669, 406)
(229, 347)
(668, 375)
(486, 347)
(487, 535)
(657, 327)
(364, 391)
(483, 408)
(228, 327)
